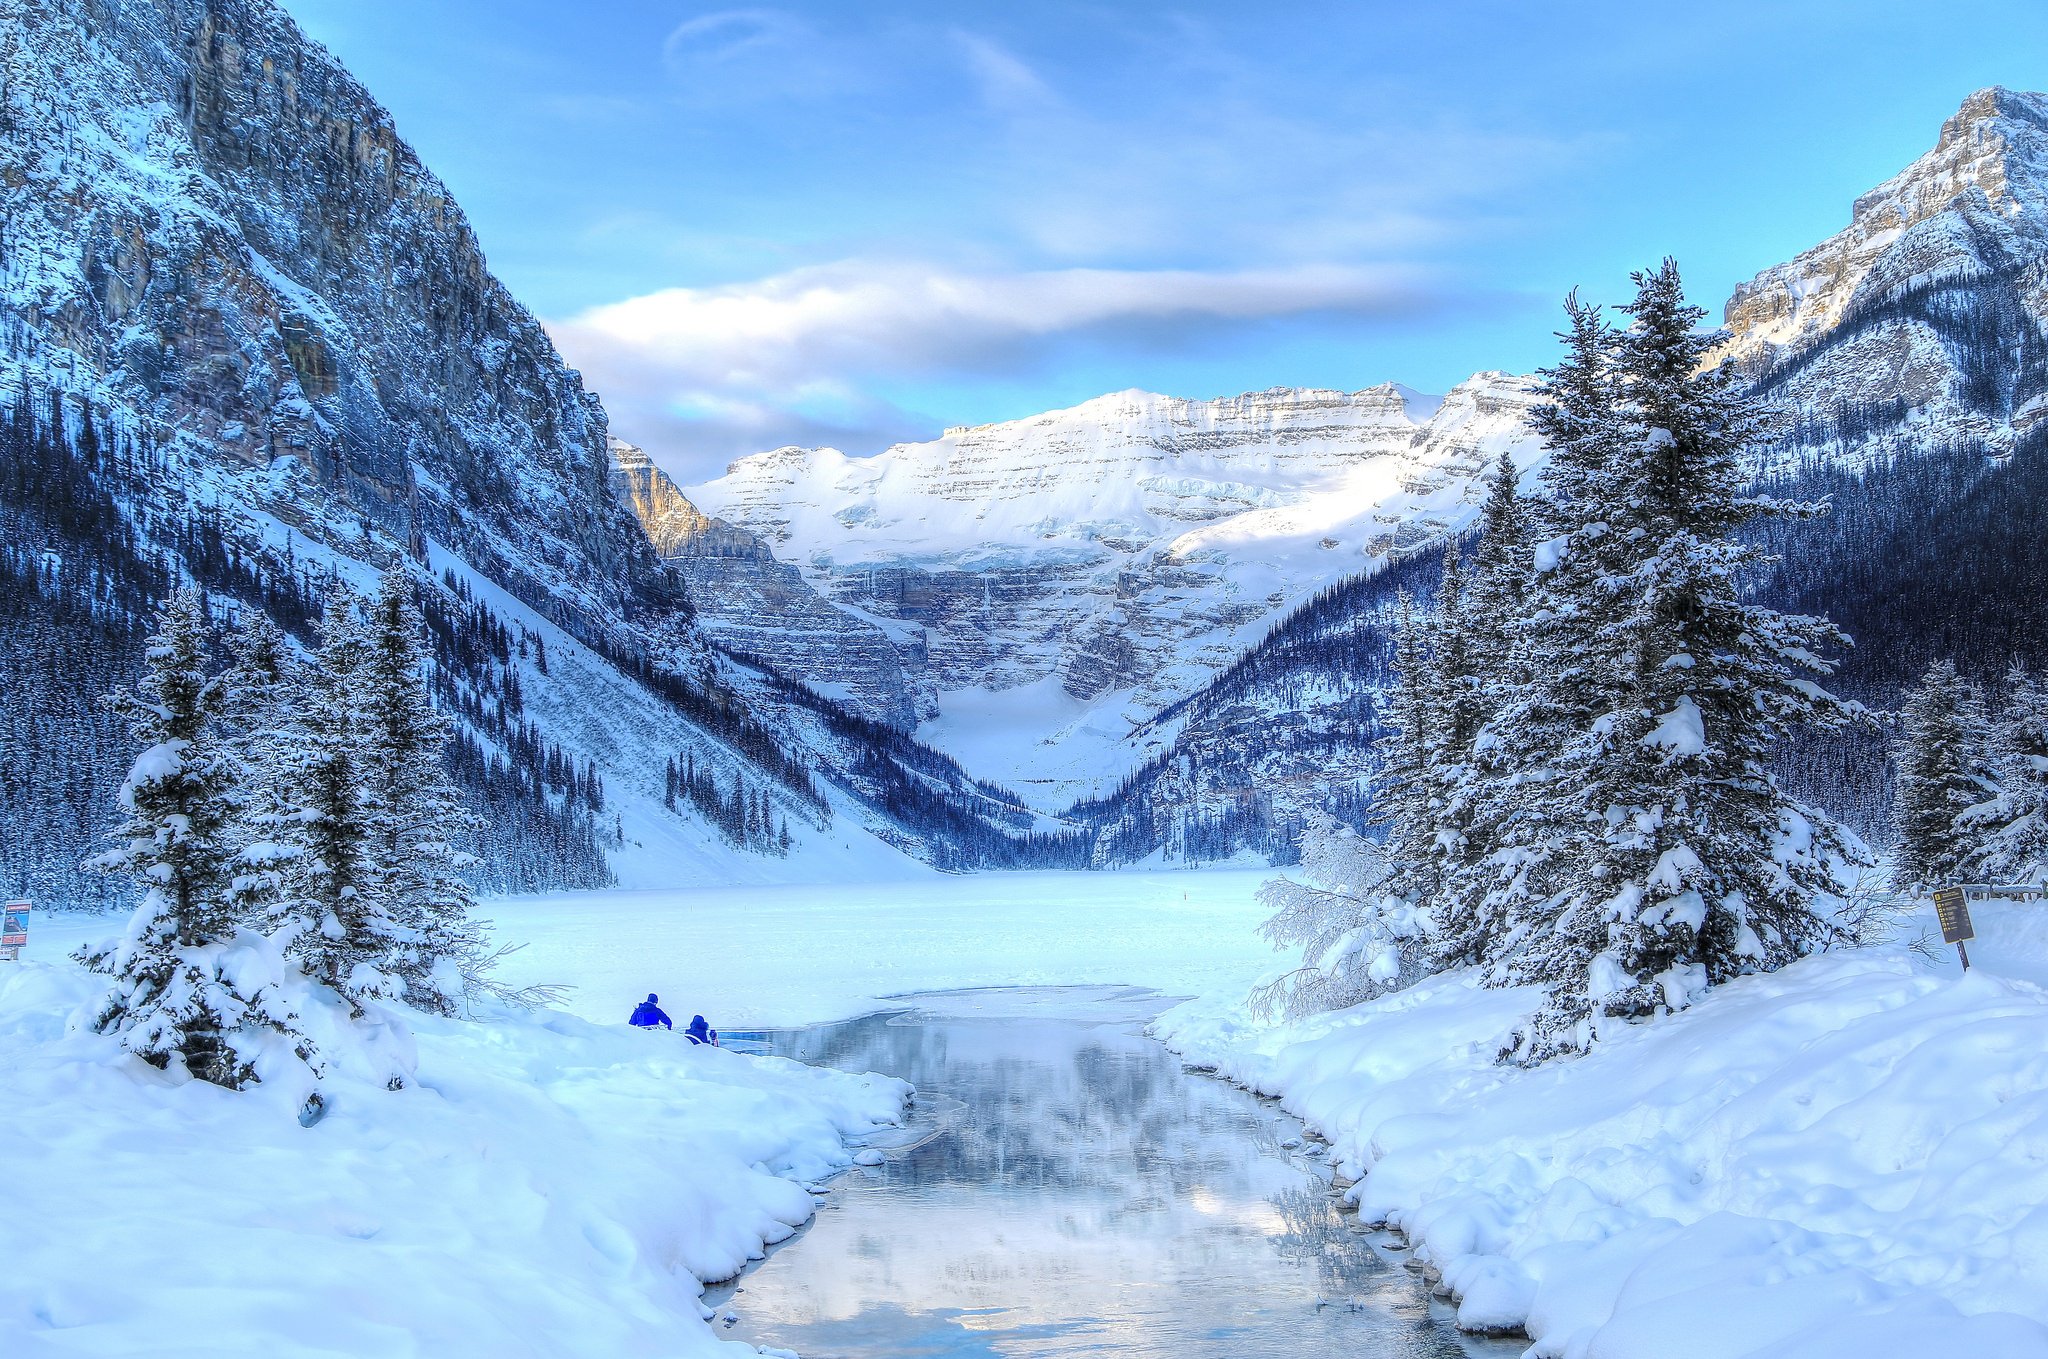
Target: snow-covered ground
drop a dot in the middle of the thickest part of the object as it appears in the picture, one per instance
(547, 1187)
(1847, 1158)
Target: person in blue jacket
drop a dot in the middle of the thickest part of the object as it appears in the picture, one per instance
(700, 1032)
(648, 1013)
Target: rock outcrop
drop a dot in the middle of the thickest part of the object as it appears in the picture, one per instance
(1922, 321)
(208, 220)
(762, 609)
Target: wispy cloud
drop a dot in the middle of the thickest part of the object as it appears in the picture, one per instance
(1007, 83)
(704, 374)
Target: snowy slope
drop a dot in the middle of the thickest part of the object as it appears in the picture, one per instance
(218, 255)
(1116, 555)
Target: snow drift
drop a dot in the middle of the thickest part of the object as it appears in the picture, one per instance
(1848, 1157)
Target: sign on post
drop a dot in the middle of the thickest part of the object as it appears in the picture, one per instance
(1952, 909)
(13, 931)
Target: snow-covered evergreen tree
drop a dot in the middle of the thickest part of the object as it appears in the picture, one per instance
(414, 817)
(1677, 862)
(349, 937)
(189, 985)
(262, 720)
(1546, 679)
(2009, 832)
(1403, 807)
(1943, 762)
(1359, 934)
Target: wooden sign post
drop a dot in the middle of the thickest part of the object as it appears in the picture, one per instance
(1952, 908)
(13, 931)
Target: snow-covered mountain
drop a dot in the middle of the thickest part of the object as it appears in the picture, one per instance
(763, 609)
(1925, 313)
(1907, 358)
(247, 340)
(1067, 576)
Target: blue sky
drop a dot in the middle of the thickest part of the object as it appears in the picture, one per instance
(851, 223)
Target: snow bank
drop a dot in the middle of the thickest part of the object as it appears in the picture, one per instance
(1847, 1158)
(548, 1187)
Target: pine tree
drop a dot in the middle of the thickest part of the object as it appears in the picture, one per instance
(1402, 789)
(188, 985)
(1359, 933)
(1943, 772)
(1683, 862)
(414, 817)
(2009, 832)
(348, 937)
(1549, 679)
(266, 731)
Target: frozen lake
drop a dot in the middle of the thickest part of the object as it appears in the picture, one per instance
(1066, 1188)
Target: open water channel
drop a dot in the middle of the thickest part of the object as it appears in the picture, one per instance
(1064, 1187)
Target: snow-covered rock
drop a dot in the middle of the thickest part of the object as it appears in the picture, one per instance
(763, 609)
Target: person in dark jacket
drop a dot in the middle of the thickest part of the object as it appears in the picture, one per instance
(700, 1032)
(648, 1013)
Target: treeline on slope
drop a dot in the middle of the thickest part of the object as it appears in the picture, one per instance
(1311, 686)
(82, 580)
(1925, 554)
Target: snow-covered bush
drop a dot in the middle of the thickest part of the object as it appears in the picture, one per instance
(1359, 938)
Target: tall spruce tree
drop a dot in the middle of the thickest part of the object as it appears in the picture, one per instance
(1679, 862)
(1551, 680)
(1943, 772)
(2008, 833)
(184, 989)
(1475, 790)
(414, 816)
(263, 723)
(348, 936)
(1403, 806)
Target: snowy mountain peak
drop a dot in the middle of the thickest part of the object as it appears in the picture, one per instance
(1950, 212)
(1099, 562)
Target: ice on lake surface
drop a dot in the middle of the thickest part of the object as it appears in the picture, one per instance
(1066, 1188)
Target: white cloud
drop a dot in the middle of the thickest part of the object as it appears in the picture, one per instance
(704, 374)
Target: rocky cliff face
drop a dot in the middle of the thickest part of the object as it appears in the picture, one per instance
(209, 221)
(760, 608)
(1114, 557)
(1927, 310)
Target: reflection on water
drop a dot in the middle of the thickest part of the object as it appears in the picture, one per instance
(1066, 1189)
